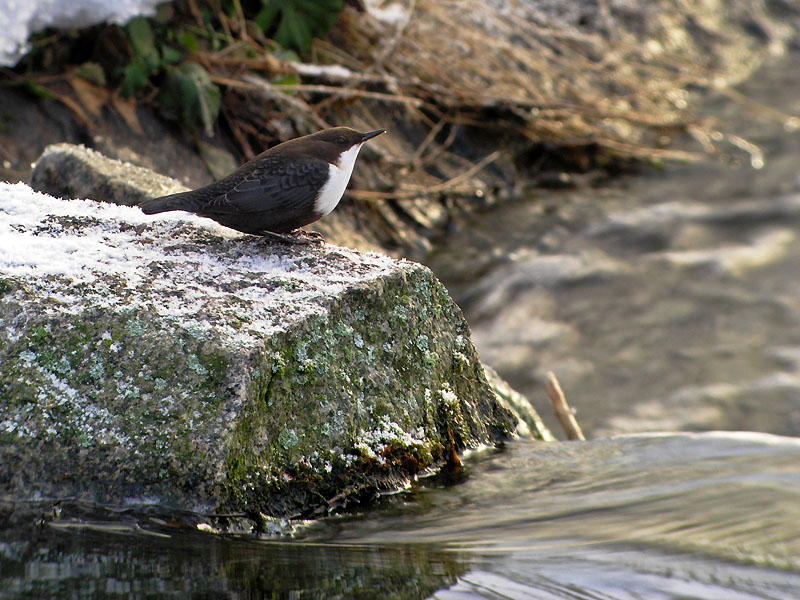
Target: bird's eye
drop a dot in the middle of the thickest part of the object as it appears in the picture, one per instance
(340, 141)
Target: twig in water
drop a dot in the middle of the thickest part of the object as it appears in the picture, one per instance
(562, 410)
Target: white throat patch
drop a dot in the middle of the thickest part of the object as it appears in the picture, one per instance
(338, 178)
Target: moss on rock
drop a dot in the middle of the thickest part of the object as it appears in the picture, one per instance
(172, 362)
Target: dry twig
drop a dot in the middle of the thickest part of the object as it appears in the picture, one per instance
(562, 410)
(414, 191)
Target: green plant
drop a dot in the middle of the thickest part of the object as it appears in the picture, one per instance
(145, 60)
(165, 57)
(295, 23)
(187, 94)
(189, 97)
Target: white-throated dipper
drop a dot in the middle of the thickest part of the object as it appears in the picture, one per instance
(282, 189)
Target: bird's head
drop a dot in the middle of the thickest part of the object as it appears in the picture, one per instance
(337, 145)
(343, 138)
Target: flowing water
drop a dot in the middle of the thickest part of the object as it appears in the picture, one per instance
(708, 515)
(665, 301)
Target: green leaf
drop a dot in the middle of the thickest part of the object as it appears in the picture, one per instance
(170, 55)
(294, 23)
(319, 10)
(134, 78)
(267, 16)
(140, 35)
(288, 79)
(37, 90)
(283, 54)
(189, 97)
(91, 72)
(301, 32)
(142, 44)
(189, 41)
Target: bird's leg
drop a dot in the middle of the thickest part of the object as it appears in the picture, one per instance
(297, 236)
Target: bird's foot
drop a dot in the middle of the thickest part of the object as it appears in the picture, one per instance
(297, 237)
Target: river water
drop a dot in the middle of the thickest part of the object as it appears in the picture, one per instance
(668, 301)
(708, 515)
(664, 301)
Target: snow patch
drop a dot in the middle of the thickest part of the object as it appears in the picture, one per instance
(20, 18)
(206, 278)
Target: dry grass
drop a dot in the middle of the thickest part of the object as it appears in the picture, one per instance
(614, 90)
(602, 81)
(506, 68)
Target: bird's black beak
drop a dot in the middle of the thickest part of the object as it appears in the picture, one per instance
(371, 134)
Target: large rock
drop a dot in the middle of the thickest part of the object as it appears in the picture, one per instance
(70, 171)
(172, 361)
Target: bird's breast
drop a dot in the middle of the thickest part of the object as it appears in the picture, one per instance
(338, 178)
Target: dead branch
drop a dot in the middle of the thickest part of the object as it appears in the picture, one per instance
(414, 191)
(562, 410)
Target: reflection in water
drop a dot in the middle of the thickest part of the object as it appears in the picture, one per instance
(673, 516)
(95, 564)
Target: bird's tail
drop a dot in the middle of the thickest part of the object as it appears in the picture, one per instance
(178, 201)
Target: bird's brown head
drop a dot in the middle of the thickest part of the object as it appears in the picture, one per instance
(343, 138)
(329, 144)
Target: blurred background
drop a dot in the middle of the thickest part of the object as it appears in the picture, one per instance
(609, 189)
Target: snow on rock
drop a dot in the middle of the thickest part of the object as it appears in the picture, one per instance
(20, 18)
(78, 251)
(172, 359)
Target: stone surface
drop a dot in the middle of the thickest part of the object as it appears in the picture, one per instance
(172, 361)
(70, 171)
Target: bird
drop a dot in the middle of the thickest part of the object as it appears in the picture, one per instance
(280, 190)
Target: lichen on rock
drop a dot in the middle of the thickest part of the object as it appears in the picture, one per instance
(172, 361)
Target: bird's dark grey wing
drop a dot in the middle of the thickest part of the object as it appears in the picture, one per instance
(269, 187)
